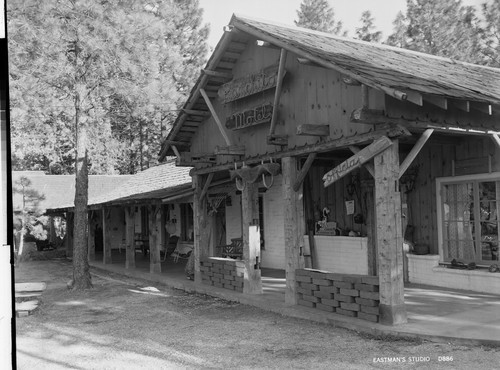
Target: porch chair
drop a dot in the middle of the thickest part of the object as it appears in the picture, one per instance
(170, 247)
(182, 251)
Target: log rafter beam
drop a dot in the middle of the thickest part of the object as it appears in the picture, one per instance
(414, 151)
(303, 172)
(277, 93)
(496, 139)
(369, 167)
(207, 184)
(216, 117)
(377, 117)
(324, 146)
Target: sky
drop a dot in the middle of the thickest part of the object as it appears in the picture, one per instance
(218, 13)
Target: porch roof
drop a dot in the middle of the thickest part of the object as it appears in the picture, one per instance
(58, 191)
(378, 66)
(155, 183)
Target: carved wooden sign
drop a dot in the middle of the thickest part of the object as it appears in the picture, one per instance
(249, 85)
(356, 160)
(250, 117)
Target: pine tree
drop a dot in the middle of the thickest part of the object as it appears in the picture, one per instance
(75, 59)
(319, 16)
(445, 28)
(365, 32)
(491, 46)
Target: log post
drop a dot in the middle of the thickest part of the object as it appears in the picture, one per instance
(129, 237)
(69, 234)
(91, 237)
(389, 239)
(106, 230)
(252, 282)
(200, 226)
(294, 227)
(154, 250)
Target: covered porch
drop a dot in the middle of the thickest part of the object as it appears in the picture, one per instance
(436, 314)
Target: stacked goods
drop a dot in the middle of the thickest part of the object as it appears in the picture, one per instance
(222, 273)
(349, 295)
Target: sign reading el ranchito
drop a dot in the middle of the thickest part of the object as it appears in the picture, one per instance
(249, 85)
(250, 117)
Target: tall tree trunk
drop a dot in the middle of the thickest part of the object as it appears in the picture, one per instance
(81, 273)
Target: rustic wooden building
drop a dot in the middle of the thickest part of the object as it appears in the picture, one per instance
(338, 151)
(141, 213)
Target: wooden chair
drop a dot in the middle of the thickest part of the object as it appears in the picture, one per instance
(182, 251)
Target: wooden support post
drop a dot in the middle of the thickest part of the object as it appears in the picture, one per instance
(294, 227)
(200, 226)
(52, 230)
(129, 237)
(154, 249)
(389, 236)
(106, 235)
(303, 172)
(414, 151)
(367, 195)
(216, 117)
(277, 93)
(252, 282)
(70, 216)
(91, 237)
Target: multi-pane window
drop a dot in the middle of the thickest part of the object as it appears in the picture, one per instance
(470, 224)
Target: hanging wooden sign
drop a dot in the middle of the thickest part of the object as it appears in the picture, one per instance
(357, 160)
(250, 117)
(249, 85)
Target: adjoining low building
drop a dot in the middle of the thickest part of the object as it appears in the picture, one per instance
(139, 214)
(36, 193)
(337, 151)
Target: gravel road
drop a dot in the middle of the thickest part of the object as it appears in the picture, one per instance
(126, 323)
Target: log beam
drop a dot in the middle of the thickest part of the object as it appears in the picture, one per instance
(294, 226)
(496, 139)
(215, 116)
(326, 146)
(230, 150)
(70, 217)
(297, 185)
(252, 283)
(277, 93)
(369, 167)
(437, 101)
(193, 112)
(357, 160)
(414, 151)
(481, 107)
(414, 97)
(389, 239)
(313, 130)
(129, 237)
(207, 184)
(200, 227)
(216, 74)
(274, 139)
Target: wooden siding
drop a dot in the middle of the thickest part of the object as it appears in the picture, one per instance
(310, 95)
(436, 160)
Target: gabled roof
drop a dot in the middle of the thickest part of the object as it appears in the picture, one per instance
(58, 191)
(155, 183)
(382, 67)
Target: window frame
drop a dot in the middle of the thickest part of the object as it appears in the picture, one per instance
(475, 180)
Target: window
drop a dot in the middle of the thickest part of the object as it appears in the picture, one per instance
(468, 215)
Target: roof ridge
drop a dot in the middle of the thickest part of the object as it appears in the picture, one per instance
(239, 17)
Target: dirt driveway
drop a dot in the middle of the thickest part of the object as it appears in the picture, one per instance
(126, 323)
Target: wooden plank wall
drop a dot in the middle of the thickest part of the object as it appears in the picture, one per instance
(335, 196)
(310, 95)
(436, 160)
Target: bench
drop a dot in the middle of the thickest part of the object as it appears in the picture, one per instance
(233, 250)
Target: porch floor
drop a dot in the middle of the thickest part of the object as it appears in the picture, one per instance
(434, 313)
